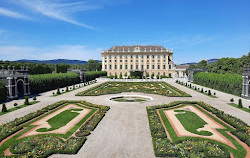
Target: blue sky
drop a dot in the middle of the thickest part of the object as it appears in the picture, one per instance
(80, 29)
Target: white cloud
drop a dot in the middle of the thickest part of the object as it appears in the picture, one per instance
(9, 13)
(78, 52)
(60, 11)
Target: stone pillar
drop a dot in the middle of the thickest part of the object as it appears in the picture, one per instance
(15, 88)
(247, 86)
(243, 85)
(10, 87)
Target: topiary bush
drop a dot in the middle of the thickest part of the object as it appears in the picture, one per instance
(240, 104)
(4, 108)
(26, 101)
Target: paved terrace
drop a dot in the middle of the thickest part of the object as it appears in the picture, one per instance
(124, 131)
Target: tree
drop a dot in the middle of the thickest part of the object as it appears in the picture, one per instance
(202, 90)
(34, 98)
(15, 104)
(93, 65)
(240, 104)
(202, 64)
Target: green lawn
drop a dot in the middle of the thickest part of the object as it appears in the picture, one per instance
(60, 120)
(18, 107)
(191, 122)
(243, 108)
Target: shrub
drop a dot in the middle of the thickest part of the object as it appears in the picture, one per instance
(4, 108)
(26, 102)
(67, 89)
(202, 90)
(58, 91)
(214, 93)
(232, 100)
(15, 104)
(209, 92)
(91, 75)
(229, 83)
(240, 104)
(34, 98)
(3, 94)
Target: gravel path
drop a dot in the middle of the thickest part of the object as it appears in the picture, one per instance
(124, 131)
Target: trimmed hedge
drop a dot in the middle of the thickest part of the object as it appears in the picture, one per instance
(92, 75)
(45, 82)
(3, 94)
(229, 83)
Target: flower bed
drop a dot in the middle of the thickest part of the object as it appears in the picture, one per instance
(194, 147)
(161, 88)
(47, 144)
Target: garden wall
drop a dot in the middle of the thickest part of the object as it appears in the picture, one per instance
(229, 83)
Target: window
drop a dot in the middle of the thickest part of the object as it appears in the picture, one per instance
(164, 66)
(136, 67)
(153, 66)
(164, 74)
(158, 60)
(159, 56)
(169, 66)
(126, 67)
(120, 57)
(110, 61)
(105, 61)
(164, 56)
(153, 56)
(120, 60)
(136, 56)
(120, 66)
(126, 60)
(115, 56)
(131, 61)
(158, 73)
(110, 67)
(115, 67)
(115, 60)
(169, 75)
(131, 67)
(142, 67)
(110, 57)
(131, 56)
(105, 67)
(158, 66)
(126, 56)
(105, 57)
(153, 60)
(147, 66)
(148, 56)
(142, 56)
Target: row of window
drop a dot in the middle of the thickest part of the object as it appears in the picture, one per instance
(135, 61)
(136, 56)
(137, 67)
(126, 74)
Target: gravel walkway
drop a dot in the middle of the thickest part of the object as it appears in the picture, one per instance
(124, 131)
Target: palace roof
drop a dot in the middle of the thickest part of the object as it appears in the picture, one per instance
(138, 48)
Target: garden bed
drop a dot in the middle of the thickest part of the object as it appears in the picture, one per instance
(52, 130)
(173, 136)
(161, 88)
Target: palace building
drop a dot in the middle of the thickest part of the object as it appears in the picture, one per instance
(150, 60)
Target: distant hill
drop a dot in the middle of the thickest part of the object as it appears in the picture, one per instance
(55, 61)
(208, 61)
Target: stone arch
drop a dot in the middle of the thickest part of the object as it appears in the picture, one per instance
(20, 84)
